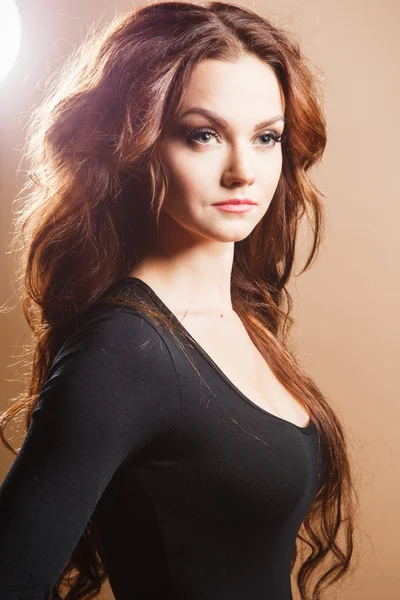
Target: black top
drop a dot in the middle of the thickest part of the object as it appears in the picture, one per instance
(196, 492)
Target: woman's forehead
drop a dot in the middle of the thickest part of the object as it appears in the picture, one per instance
(244, 85)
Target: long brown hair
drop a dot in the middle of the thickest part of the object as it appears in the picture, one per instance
(94, 174)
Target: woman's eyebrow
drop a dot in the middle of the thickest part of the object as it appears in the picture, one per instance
(221, 122)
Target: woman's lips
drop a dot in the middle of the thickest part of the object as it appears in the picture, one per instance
(242, 207)
(236, 201)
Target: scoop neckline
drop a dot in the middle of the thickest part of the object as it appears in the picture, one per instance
(306, 430)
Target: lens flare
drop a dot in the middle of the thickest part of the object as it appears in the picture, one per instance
(10, 36)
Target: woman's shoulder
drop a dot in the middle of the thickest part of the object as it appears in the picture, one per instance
(118, 332)
(123, 304)
(115, 358)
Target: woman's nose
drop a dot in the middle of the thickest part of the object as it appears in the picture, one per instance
(240, 168)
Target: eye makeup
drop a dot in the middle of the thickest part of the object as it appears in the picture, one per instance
(192, 136)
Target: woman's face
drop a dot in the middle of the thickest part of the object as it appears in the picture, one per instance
(233, 158)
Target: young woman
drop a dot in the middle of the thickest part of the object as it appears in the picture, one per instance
(174, 444)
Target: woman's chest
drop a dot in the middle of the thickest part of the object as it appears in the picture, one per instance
(228, 344)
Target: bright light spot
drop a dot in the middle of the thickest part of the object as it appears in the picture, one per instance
(10, 36)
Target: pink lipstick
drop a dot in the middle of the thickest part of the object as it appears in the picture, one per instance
(235, 205)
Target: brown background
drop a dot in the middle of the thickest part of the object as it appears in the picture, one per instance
(346, 307)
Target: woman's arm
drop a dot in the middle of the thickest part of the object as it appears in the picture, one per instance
(111, 391)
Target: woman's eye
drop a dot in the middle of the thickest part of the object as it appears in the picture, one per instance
(195, 134)
(272, 136)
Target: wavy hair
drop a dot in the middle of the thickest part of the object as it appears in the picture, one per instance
(95, 174)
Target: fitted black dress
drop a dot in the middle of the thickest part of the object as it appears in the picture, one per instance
(196, 492)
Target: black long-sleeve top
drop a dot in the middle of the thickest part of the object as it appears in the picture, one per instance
(196, 492)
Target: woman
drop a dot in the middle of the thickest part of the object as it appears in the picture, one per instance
(174, 444)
